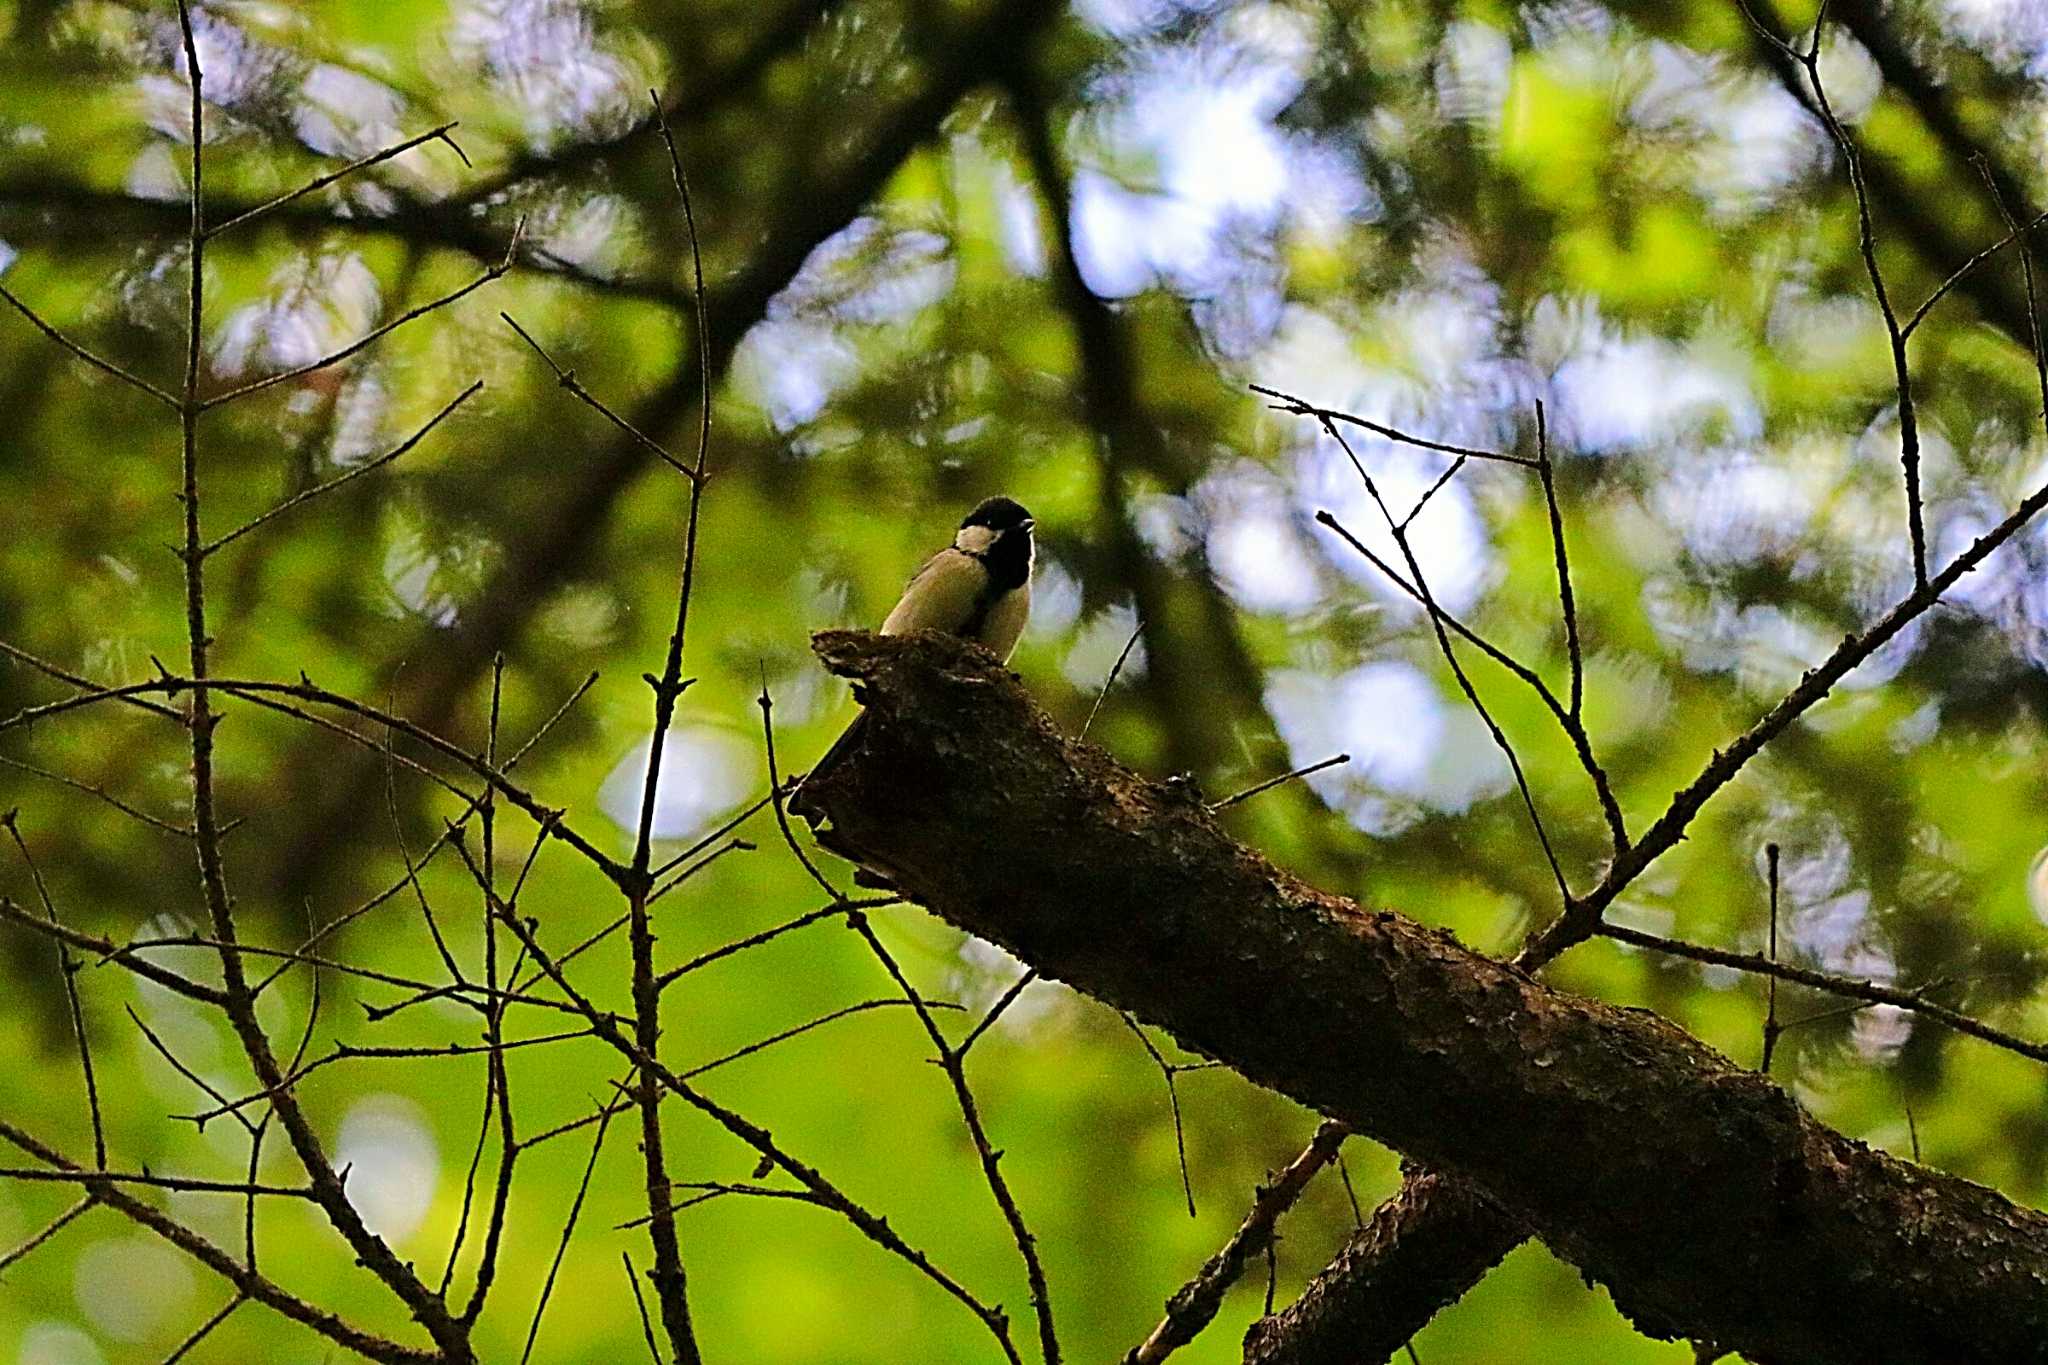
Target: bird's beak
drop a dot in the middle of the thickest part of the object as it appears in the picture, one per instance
(1029, 522)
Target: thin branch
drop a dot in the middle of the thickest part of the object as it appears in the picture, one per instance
(640, 1302)
(1869, 992)
(623, 1100)
(828, 1195)
(112, 951)
(350, 477)
(440, 134)
(1287, 402)
(568, 380)
(1169, 1071)
(713, 837)
(205, 1329)
(85, 684)
(952, 1061)
(1442, 480)
(1195, 1305)
(305, 690)
(995, 1011)
(682, 182)
(368, 339)
(1579, 921)
(1771, 1026)
(63, 1220)
(668, 1276)
(335, 1328)
(412, 877)
(799, 1030)
(775, 793)
(702, 960)
(1574, 730)
(713, 1189)
(97, 362)
(730, 846)
(497, 1080)
(1110, 681)
(562, 1247)
(1963, 271)
(1567, 607)
(2027, 273)
(1450, 655)
(1852, 158)
(67, 967)
(206, 1087)
(181, 1183)
(116, 802)
(1249, 792)
(336, 924)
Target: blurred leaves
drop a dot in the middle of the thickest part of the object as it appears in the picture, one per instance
(1430, 214)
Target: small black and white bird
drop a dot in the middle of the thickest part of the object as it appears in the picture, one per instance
(978, 588)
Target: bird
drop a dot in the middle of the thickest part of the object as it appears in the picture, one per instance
(978, 588)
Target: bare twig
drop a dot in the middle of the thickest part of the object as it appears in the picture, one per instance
(1963, 271)
(828, 1195)
(799, 1030)
(1566, 606)
(84, 684)
(243, 1277)
(1771, 1026)
(568, 380)
(67, 968)
(110, 950)
(97, 362)
(1450, 655)
(1249, 792)
(1110, 681)
(205, 1329)
(547, 1288)
(89, 789)
(318, 183)
(995, 1011)
(368, 339)
(702, 960)
(1573, 728)
(340, 479)
(412, 869)
(1895, 333)
(640, 1302)
(62, 1221)
(1169, 1071)
(1868, 992)
(2040, 354)
(1194, 1306)
(1581, 919)
(952, 1061)
(1287, 402)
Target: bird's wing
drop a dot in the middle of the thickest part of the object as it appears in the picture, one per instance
(943, 595)
(1005, 621)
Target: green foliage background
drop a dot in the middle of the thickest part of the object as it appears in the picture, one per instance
(1616, 208)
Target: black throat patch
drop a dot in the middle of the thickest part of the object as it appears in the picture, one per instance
(1008, 562)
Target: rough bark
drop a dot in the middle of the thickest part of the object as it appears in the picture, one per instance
(1420, 1252)
(1707, 1202)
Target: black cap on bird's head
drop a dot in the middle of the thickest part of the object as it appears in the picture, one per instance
(998, 533)
(998, 514)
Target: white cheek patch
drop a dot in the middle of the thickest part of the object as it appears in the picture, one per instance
(975, 540)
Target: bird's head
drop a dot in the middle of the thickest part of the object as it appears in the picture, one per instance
(995, 521)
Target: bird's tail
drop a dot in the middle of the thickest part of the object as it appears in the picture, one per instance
(849, 740)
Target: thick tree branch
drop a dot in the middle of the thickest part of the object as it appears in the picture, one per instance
(1420, 1252)
(1701, 1195)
